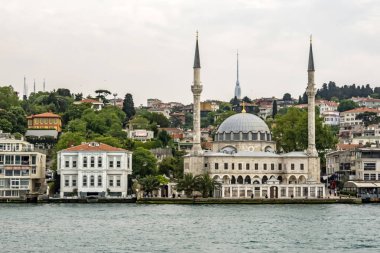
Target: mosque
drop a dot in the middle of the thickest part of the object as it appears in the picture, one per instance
(243, 154)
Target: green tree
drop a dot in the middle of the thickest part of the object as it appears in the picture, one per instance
(144, 163)
(368, 118)
(187, 184)
(167, 166)
(128, 106)
(149, 183)
(206, 185)
(8, 97)
(69, 139)
(139, 122)
(6, 126)
(290, 131)
(346, 105)
(112, 141)
(274, 108)
(64, 92)
(164, 138)
(102, 94)
(287, 97)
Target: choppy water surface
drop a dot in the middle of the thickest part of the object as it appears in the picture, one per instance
(188, 228)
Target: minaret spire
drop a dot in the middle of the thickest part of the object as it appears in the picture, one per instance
(237, 86)
(311, 58)
(44, 85)
(197, 61)
(196, 88)
(34, 85)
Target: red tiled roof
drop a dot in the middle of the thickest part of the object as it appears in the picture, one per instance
(45, 115)
(362, 109)
(89, 100)
(347, 146)
(94, 146)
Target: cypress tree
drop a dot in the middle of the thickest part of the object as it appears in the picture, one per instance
(128, 106)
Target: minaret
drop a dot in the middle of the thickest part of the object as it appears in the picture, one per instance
(311, 91)
(44, 86)
(237, 87)
(34, 86)
(25, 90)
(196, 88)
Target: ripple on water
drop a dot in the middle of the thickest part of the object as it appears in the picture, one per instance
(188, 228)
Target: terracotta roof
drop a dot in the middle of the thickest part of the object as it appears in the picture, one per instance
(362, 109)
(94, 146)
(89, 100)
(347, 146)
(45, 115)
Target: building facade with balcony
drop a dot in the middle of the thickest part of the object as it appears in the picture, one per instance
(22, 170)
(362, 164)
(94, 169)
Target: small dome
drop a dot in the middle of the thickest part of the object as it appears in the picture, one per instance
(243, 122)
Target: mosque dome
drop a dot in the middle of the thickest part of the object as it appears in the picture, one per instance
(243, 127)
(243, 122)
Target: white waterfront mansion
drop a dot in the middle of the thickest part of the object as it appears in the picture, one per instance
(243, 155)
(94, 169)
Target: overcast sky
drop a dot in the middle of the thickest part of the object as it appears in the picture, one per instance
(147, 47)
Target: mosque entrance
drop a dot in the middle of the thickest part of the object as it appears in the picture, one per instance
(273, 192)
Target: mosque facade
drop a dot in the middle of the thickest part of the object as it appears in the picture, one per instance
(243, 157)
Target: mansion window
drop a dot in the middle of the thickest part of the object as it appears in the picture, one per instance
(67, 182)
(99, 180)
(280, 166)
(272, 166)
(92, 162)
(366, 176)
(110, 182)
(265, 166)
(240, 166)
(111, 164)
(118, 164)
(216, 166)
(247, 166)
(118, 182)
(373, 176)
(205, 165)
(226, 166)
(369, 166)
(74, 182)
(74, 164)
(67, 164)
(85, 162)
(233, 166)
(100, 162)
(302, 167)
(84, 181)
(256, 166)
(92, 181)
(292, 166)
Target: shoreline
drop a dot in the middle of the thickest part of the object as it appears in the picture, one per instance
(188, 201)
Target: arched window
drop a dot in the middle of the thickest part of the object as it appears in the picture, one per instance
(264, 180)
(84, 183)
(99, 180)
(233, 180)
(240, 180)
(247, 180)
